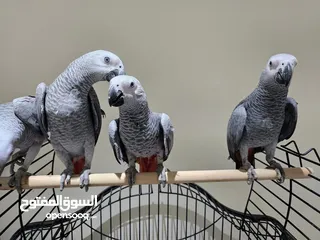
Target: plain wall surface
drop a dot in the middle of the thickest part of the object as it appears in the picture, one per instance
(195, 59)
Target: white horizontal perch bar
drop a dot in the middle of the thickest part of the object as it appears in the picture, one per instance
(117, 179)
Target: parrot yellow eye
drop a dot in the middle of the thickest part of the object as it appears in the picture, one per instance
(107, 59)
(132, 84)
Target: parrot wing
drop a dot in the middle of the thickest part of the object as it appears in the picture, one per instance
(236, 128)
(290, 121)
(166, 134)
(41, 92)
(118, 147)
(96, 112)
(23, 108)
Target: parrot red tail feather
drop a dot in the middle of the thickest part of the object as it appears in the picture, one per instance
(78, 165)
(147, 164)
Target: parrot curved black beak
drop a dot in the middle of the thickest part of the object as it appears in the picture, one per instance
(284, 76)
(116, 98)
(111, 75)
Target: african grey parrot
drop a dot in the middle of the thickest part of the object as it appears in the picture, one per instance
(266, 117)
(138, 135)
(71, 112)
(19, 129)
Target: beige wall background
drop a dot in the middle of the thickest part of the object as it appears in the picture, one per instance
(195, 59)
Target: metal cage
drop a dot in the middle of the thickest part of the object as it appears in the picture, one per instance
(179, 211)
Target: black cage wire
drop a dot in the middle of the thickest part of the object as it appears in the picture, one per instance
(179, 211)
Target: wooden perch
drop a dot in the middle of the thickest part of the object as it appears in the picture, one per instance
(118, 179)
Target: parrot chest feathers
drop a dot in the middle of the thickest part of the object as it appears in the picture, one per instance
(263, 125)
(262, 133)
(265, 116)
(65, 104)
(141, 142)
(141, 146)
(68, 108)
(140, 133)
(267, 123)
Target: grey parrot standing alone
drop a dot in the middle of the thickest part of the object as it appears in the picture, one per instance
(71, 112)
(266, 117)
(138, 135)
(20, 129)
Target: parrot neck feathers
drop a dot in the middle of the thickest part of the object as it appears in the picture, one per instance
(75, 78)
(273, 90)
(137, 110)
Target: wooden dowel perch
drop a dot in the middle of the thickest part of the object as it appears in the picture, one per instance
(118, 179)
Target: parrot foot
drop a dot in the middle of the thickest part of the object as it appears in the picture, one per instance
(15, 180)
(278, 168)
(162, 177)
(84, 179)
(251, 173)
(131, 175)
(65, 178)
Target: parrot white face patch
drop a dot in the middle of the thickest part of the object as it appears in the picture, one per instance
(104, 63)
(127, 88)
(279, 70)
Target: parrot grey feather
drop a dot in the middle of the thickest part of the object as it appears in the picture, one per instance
(116, 142)
(290, 121)
(236, 128)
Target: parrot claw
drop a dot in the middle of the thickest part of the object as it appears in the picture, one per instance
(65, 178)
(84, 179)
(278, 168)
(162, 177)
(251, 174)
(131, 175)
(15, 180)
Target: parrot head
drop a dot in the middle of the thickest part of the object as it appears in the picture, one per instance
(102, 65)
(125, 90)
(278, 71)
